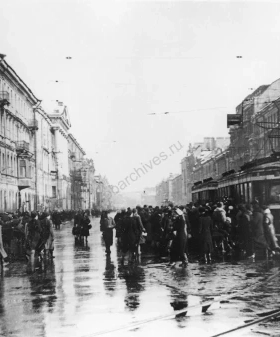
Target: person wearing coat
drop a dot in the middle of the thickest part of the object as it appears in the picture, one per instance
(245, 230)
(3, 254)
(129, 236)
(33, 236)
(258, 229)
(85, 226)
(205, 228)
(270, 230)
(47, 235)
(179, 243)
(107, 225)
(56, 218)
(139, 229)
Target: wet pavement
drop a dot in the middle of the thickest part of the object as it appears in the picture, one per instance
(82, 293)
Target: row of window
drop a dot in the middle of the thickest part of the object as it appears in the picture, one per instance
(11, 200)
(16, 101)
(21, 168)
(13, 130)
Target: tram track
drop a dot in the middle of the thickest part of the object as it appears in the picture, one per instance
(204, 307)
(275, 314)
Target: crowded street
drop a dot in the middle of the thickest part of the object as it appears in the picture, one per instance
(82, 292)
(139, 168)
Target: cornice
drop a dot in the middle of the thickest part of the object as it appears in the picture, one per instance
(8, 72)
(76, 143)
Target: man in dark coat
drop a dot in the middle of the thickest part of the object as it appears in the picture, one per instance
(129, 236)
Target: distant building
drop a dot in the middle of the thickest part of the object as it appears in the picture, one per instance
(177, 189)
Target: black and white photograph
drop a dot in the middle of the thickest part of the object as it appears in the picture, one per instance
(139, 168)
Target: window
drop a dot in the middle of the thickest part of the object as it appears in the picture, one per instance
(22, 168)
(274, 193)
(53, 191)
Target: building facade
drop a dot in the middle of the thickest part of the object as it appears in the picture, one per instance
(17, 141)
(42, 165)
(177, 190)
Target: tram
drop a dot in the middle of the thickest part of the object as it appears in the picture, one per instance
(256, 181)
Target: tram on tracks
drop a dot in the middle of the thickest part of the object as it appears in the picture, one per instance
(256, 181)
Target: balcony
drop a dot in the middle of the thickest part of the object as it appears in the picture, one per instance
(4, 98)
(22, 146)
(33, 124)
(25, 183)
(72, 155)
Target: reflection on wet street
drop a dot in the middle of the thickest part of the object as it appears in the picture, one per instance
(83, 293)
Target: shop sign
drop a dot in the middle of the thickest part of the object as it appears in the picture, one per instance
(233, 119)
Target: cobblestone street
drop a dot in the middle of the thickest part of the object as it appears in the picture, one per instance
(84, 294)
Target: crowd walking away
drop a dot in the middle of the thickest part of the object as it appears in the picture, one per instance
(203, 233)
(29, 236)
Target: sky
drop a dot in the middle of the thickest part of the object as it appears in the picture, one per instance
(133, 61)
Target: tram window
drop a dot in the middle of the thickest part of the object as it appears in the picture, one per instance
(238, 193)
(245, 192)
(242, 196)
(274, 193)
(250, 192)
(259, 192)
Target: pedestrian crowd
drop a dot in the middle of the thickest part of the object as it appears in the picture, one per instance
(202, 230)
(29, 234)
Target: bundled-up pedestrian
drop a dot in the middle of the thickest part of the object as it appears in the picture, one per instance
(270, 230)
(179, 244)
(47, 235)
(107, 224)
(85, 227)
(260, 242)
(245, 230)
(33, 237)
(139, 230)
(205, 229)
(3, 254)
(129, 236)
